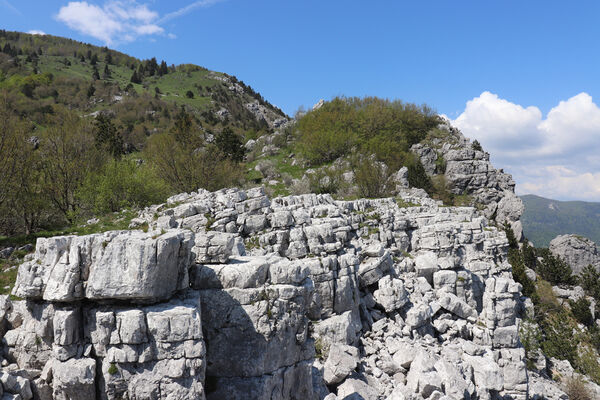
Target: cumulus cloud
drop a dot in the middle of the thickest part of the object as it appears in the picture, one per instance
(556, 156)
(116, 21)
(36, 32)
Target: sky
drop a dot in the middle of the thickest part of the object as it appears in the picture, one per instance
(519, 76)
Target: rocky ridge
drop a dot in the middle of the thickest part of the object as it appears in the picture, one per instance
(230, 293)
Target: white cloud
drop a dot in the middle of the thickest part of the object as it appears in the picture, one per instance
(116, 21)
(120, 20)
(557, 156)
(36, 32)
(12, 8)
(189, 8)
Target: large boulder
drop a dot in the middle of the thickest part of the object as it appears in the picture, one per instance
(123, 265)
(576, 250)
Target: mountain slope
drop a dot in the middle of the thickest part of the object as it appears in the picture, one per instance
(50, 71)
(544, 219)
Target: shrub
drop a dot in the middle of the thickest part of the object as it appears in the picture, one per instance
(518, 270)
(417, 177)
(589, 279)
(189, 94)
(186, 169)
(371, 177)
(476, 146)
(121, 184)
(230, 145)
(555, 270)
(581, 311)
(325, 180)
(558, 339)
(576, 390)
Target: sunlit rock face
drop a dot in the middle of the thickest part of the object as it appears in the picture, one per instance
(232, 295)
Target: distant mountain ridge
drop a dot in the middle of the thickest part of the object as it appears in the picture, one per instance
(544, 219)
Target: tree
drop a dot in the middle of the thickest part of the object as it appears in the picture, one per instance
(163, 69)
(106, 135)
(476, 146)
(94, 59)
(186, 169)
(230, 145)
(135, 78)
(91, 90)
(106, 72)
(121, 184)
(184, 130)
(95, 74)
(555, 270)
(189, 94)
(68, 155)
(371, 177)
(589, 279)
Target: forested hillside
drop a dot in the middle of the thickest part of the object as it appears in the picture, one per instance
(544, 219)
(88, 130)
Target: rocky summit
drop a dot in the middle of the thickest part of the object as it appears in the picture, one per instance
(232, 295)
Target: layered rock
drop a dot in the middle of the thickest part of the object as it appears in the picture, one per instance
(233, 295)
(576, 250)
(469, 171)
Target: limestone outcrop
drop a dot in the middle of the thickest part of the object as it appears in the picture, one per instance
(576, 250)
(469, 171)
(232, 295)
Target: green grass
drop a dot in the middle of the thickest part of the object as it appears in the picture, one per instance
(108, 222)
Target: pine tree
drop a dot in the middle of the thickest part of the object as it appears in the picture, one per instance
(135, 78)
(106, 71)
(163, 69)
(95, 74)
(94, 59)
(91, 90)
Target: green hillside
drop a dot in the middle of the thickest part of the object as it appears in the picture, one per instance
(544, 219)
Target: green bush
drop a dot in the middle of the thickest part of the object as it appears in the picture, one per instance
(371, 177)
(559, 340)
(386, 128)
(121, 184)
(187, 169)
(555, 270)
(581, 311)
(325, 180)
(518, 270)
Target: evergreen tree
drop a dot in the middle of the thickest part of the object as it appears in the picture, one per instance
(108, 58)
(135, 78)
(555, 270)
(94, 59)
(163, 69)
(230, 145)
(476, 146)
(589, 279)
(95, 74)
(91, 90)
(106, 71)
(107, 136)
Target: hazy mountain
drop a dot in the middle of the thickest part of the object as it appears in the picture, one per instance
(544, 219)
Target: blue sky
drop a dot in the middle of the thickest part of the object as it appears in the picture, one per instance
(499, 70)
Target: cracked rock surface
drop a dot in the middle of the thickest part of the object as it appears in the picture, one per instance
(232, 295)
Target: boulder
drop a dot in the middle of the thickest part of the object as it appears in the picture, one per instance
(341, 361)
(576, 250)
